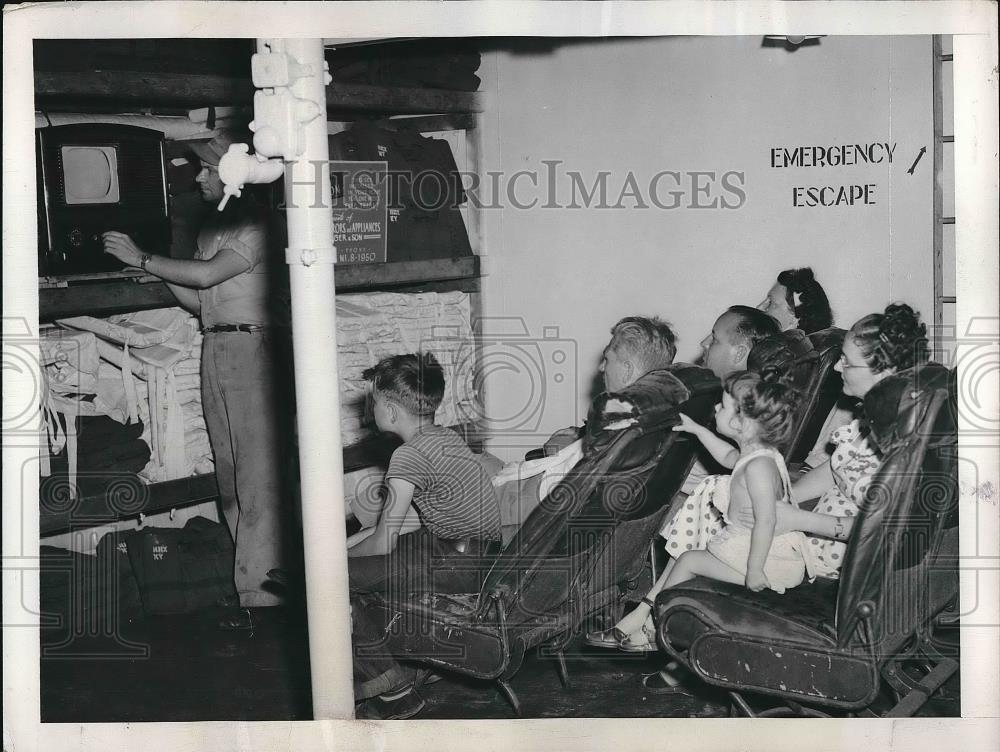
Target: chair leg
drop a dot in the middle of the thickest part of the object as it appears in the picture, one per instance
(740, 705)
(920, 691)
(508, 692)
(788, 710)
(563, 670)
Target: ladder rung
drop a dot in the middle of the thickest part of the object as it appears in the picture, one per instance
(946, 298)
(947, 139)
(947, 220)
(946, 58)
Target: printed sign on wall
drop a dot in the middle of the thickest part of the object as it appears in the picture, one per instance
(834, 156)
(359, 194)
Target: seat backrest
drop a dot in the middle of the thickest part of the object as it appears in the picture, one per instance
(883, 597)
(819, 393)
(625, 476)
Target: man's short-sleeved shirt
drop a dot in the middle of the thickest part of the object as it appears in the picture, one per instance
(242, 299)
(454, 495)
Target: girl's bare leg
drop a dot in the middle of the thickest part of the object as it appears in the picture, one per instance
(634, 620)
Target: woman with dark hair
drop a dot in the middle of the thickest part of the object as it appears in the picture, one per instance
(798, 301)
(787, 357)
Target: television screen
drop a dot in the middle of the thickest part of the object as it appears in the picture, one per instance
(90, 175)
(95, 177)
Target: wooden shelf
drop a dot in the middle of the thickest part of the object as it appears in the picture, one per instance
(124, 295)
(394, 274)
(122, 497)
(101, 299)
(118, 497)
(120, 88)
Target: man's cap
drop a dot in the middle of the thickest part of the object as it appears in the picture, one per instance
(211, 151)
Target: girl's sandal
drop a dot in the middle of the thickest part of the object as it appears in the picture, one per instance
(641, 642)
(608, 638)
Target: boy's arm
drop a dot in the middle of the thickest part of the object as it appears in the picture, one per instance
(764, 486)
(721, 450)
(399, 497)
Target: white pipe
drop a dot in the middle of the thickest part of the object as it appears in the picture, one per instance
(314, 327)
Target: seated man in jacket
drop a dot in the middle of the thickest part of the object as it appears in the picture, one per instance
(638, 346)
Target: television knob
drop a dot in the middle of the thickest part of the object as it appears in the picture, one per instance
(76, 239)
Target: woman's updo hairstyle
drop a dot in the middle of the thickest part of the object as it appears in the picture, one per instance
(788, 357)
(895, 339)
(772, 403)
(813, 309)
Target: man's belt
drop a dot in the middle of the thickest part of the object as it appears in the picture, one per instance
(248, 328)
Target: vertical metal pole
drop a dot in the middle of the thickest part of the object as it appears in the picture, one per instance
(310, 256)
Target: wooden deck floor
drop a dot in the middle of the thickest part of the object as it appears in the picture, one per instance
(183, 669)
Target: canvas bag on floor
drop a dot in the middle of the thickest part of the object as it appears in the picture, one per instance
(180, 570)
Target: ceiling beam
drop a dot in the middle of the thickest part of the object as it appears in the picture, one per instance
(136, 89)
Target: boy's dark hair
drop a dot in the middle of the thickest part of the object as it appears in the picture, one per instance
(414, 381)
(754, 324)
(813, 311)
(772, 404)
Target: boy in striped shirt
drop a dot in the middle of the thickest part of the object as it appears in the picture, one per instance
(435, 472)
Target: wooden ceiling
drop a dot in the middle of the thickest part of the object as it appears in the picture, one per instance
(171, 76)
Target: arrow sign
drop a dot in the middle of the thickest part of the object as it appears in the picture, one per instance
(919, 156)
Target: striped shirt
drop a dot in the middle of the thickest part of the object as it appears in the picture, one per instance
(454, 495)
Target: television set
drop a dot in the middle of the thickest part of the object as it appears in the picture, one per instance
(95, 177)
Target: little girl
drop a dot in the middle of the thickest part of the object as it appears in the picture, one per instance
(758, 416)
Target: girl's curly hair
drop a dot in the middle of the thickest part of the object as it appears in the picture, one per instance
(772, 404)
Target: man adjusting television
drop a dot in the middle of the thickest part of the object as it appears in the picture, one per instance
(229, 284)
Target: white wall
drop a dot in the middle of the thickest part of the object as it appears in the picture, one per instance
(684, 103)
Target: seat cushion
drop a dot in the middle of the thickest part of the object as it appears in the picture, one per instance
(803, 615)
(778, 645)
(440, 629)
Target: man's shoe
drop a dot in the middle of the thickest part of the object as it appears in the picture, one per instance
(228, 601)
(398, 708)
(236, 620)
(425, 676)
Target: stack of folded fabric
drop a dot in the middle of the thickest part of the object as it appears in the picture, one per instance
(150, 372)
(372, 326)
(106, 451)
(187, 379)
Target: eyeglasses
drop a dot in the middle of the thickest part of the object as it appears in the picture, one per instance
(842, 362)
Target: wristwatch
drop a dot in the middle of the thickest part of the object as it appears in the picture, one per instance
(838, 529)
(143, 260)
